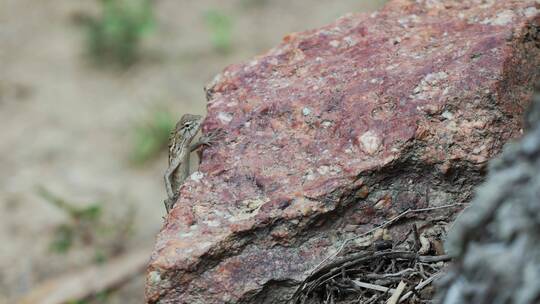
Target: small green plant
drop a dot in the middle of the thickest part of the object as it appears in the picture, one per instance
(115, 36)
(81, 224)
(220, 27)
(63, 239)
(88, 227)
(152, 136)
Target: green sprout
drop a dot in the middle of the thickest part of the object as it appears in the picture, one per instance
(87, 226)
(63, 239)
(115, 36)
(82, 221)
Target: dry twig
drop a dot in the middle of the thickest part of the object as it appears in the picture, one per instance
(384, 225)
(395, 296)
(370, 276)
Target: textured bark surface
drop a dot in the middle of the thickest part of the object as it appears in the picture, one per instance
(497, 239)
(338, 129)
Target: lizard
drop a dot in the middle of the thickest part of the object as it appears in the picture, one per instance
(180, 148)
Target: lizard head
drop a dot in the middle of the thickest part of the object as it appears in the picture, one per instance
(189, 125)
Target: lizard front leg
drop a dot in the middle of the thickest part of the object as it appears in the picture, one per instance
(207, 140)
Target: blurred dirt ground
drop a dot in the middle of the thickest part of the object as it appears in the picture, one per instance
(67, 125)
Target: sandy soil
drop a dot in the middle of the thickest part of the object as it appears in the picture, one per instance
(68, 125)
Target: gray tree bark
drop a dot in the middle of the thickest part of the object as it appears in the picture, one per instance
(496, 241)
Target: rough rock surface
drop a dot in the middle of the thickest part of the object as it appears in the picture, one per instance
(497, 240)
(338, 129)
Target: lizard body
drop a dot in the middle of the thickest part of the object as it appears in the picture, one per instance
(180, 148)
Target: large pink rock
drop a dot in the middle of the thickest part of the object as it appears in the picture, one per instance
(340, 128)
